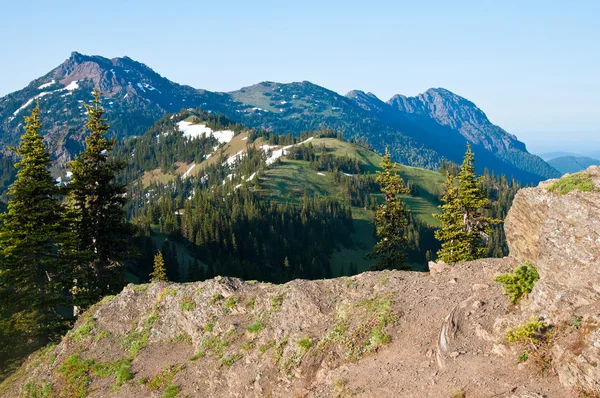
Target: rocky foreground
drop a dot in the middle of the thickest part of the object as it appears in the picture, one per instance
(385, 334)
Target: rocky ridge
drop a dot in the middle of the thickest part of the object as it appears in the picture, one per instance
(392, 334)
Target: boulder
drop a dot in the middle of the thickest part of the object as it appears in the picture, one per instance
(560, 235)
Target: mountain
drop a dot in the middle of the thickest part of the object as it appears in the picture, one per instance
(572, 164)
(553, 155)
(419, 131)
(388, 334)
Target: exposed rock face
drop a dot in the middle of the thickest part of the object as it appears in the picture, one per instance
(560, 234)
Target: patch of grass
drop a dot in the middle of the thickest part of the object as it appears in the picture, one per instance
(214, 344)
(37, 390)
(187, 304)
(248, 345)
(519, 283)
(104, 334)
(171, 391)
(277, 302)
(255, 327)
(162, 380)
(167, 291)
(251, 303)
(576, 322)
(209, 327)
(305, 344)
(135, 341)
(278, 354)
(231, 301)
(120, 370)
(578, 181)
(140, 288)
(76, 373)
(216, 298)
(107, 299)
(85, 330)
(265, 347)
(384, 281)
(229, 361)
(182, 338)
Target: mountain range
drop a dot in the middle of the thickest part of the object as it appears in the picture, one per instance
(419, 131)
(572, 164)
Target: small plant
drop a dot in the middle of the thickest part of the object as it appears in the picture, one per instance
(578, 181)
(105, 334)
(305, 344)
(384, 281)
(529, 332)
(182, 338)
(458, 394)
(523, 357)
(576, 322)
(251, 303)
(277, 301)
(187, 304)
(84, 330)
(231, 301)
(140, 288)
(171, 392)
(34, 390)
(265, 347)
(231, 360)
(216, 298)
(255, 327)
(162, 380)
(76, 372)
(520, 282)
(209, 327)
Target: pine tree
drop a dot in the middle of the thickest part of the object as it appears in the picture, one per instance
(390, 219)
(451, 233)
(159, 273)
(32, 275)
(97, 202)
(465, 229)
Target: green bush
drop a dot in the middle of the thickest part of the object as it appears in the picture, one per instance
(520, 282)
(529, 332)
(580, 181)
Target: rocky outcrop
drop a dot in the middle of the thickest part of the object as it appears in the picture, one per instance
(560, 234)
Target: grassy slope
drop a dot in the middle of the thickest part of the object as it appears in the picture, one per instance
(288, 181)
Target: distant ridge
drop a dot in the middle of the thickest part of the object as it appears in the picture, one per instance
(419, 131)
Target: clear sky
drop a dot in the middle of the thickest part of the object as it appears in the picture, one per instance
(532, 66)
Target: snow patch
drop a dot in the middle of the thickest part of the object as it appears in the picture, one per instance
(141, 87)
(349, 175)
(190, 130)
(46, 84)
(187, 173)
(235, 157)
(251, 177)
(72, 86)
(320, 174)
(25, 105)
(244, 139)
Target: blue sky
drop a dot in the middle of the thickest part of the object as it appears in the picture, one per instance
(532, 66)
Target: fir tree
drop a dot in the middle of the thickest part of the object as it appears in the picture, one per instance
(159, 273)
(465, 229)
(390, 219)
(97, 201)
(32, 275)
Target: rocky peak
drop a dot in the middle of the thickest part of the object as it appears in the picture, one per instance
(456, 112)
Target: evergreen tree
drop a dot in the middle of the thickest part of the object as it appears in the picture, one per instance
(390, 219)
(32, 275)
(97, 202)
(465, 229)
(451, 235)
(159, 273)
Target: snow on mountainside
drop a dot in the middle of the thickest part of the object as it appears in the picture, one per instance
(419, 131)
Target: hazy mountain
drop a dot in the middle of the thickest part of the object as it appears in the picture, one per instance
(553, 155)
(419, 131)
(572, 164)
